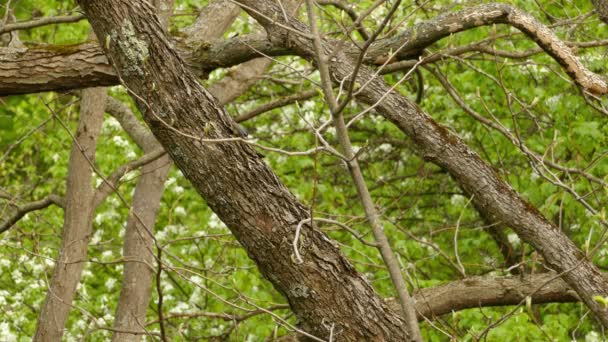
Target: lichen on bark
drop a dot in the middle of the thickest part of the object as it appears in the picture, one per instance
(134, 50)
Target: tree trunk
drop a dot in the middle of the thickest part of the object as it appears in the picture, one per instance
(325, 291)
(138, 248)
(138, 251)
(78, 217)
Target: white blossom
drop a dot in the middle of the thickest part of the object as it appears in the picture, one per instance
(513, 239)
(110, 283)
(120, 141)
(106, 255)
(6, 333)
(178, 190)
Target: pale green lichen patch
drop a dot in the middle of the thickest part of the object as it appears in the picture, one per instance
(134, 50)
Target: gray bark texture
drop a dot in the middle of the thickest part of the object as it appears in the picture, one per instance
(325, 290)
(138, 245)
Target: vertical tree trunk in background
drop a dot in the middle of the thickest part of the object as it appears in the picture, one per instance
(325, 291)
(138, 250)
(77, 223)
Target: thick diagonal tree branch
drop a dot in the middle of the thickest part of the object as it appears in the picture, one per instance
(135, 295)
(139, 234)
(496, 200)
(324, 290)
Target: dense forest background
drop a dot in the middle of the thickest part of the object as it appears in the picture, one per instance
(492, 86)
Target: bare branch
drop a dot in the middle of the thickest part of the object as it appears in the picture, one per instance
(128, 121)
(22, 210)
(388, 256)
(284, 101)
(412, 41)
(347, 8)
(24, 25)
(108, 186)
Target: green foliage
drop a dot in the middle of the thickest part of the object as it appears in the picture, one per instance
(421, 206)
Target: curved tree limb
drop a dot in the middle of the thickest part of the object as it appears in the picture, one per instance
(24, 209)
(412, 41)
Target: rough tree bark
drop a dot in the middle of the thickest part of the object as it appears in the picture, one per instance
(78, 219)
(139, 234)
(601, 8)
(137, 278)
(475, 292)
(82, 78)
(325, 292)
(492, 196)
